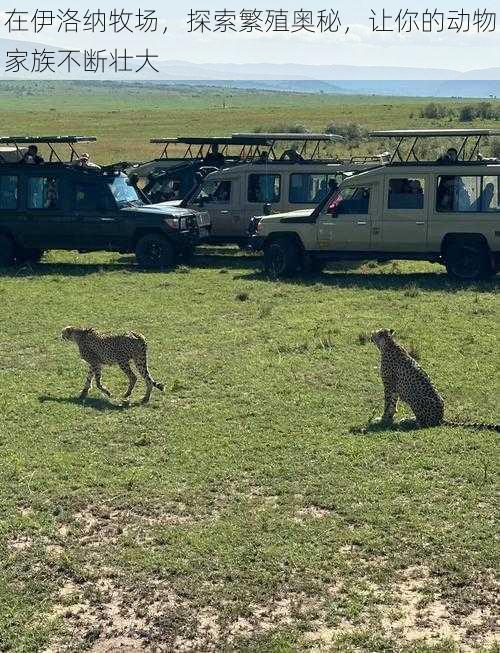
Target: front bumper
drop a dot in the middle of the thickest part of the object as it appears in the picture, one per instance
(256, 243)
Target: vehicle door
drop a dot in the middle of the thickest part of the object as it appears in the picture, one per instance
(221, 198)
(405, 213)
(345, 222)
(99, 216)
(11, 218)
(264, 192)
(50, 223)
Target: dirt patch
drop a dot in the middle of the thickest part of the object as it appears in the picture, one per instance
(98, 525)
(423, 615)
(18, 544)
(312, 512)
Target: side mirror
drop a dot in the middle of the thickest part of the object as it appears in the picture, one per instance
(267, 209)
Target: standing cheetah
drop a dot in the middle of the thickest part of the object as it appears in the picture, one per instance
(403, 378)
(99, 349)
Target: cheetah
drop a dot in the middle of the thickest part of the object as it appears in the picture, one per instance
(99, 349)
(403, 378)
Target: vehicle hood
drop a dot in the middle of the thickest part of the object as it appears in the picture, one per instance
(170, 203)
(303, 213)
(164, 209)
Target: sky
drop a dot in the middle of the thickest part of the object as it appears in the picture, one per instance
(360, 46)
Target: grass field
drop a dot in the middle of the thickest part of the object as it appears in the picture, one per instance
(125, 118)
(247, 508)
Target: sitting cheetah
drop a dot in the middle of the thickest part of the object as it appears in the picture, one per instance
(99, 349)
(403, 377)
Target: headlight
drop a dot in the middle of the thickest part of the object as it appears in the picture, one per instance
(177, 223)
(173, 223)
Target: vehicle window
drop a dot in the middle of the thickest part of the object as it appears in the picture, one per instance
(8, 191)
(43, 193)
(264, 188)
(406, 194)
(91, 198)
(311, 188)
(350, 200)
(123, 192)
(467, 194)
(214, 191)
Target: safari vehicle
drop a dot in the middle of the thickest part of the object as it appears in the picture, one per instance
(278, 179)
(445, 211)
(70, 205)
(174, 175)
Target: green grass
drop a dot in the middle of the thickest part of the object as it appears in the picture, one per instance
(245, 509)
(125, 117)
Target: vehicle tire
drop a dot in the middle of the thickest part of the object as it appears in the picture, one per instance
(155, 252)
(7, 252)
(281, 258)
(29, 255)
(468, 260)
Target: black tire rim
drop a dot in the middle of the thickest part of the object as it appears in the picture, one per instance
(154, 253)
(467, 263)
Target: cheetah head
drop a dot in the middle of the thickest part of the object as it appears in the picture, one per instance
(68, 333)
(73, 333)
(382, 337)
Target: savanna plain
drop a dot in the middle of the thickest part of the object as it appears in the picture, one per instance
(249, 507)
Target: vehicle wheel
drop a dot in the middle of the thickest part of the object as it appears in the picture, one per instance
(7, 252)
(154, 251)
(281, 258)
(468, 260)
(29, 255)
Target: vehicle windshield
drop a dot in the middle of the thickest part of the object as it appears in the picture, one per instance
(124, 193)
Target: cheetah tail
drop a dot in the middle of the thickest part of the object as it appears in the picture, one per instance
(480, 426)
(158, 385)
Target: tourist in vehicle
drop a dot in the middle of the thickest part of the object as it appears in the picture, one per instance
(214, 157)
(483, 202)
(322, 192)
(85, 162)
(31, 157)
(449, 158)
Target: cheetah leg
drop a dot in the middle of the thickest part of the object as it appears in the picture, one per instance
(391, 403)
(98, 383)
(132, 378)
(142, 367)
(88, 384)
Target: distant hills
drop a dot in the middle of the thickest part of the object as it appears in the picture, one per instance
(337, 79)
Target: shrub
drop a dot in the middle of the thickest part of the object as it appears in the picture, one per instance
(467, 113)
(433, 110)
(351, 131)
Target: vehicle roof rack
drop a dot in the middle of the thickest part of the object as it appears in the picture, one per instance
(51, 141)
(417, 134)
(289, 136)
(284, 137)
(205, 142)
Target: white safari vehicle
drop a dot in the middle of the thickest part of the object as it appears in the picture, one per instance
(445, 211)
(272, 180)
